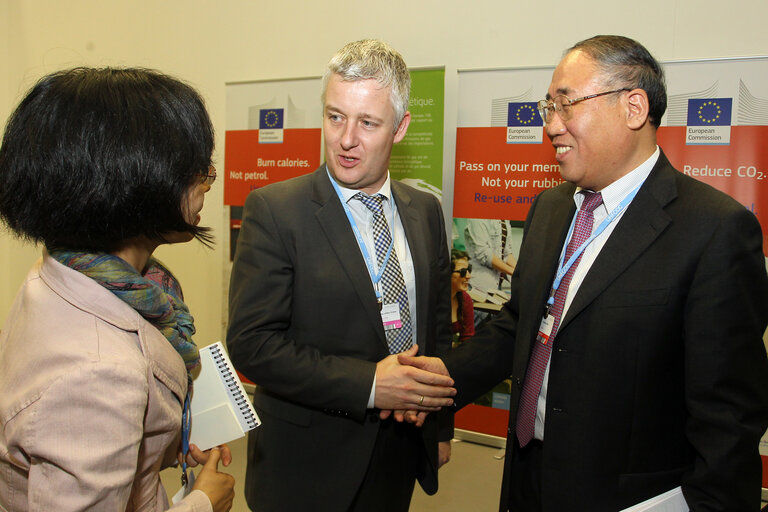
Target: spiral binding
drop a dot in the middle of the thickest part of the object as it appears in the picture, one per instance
(232, 383)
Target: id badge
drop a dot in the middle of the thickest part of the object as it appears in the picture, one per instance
(185, 489)
(390, 316)
(545, 329)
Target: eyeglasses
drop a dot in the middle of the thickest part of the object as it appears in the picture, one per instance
(463, 271)
(208, 177)
(562, 105)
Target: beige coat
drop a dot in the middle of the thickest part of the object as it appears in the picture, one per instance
(90, 400)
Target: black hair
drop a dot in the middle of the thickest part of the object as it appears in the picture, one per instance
(92, 157)
(627, 63)
(458, 254)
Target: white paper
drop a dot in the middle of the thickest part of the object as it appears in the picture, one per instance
(184, 490)
(215, 426)
(670, 501)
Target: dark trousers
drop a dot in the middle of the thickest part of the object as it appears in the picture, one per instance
(525, 477)
(391, 475)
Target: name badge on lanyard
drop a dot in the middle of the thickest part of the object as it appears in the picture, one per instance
(390, 316)
(545, 329)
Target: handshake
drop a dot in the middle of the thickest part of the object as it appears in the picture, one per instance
(410, 387)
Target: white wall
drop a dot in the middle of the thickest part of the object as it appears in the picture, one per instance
(209, 43)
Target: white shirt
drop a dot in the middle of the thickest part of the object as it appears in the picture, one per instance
(364, 219)
(613, 194)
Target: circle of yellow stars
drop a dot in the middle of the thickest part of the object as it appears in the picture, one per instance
(706, 104)
(531, 114)
(271, 118)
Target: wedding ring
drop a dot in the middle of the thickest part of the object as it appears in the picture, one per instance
(421, 402)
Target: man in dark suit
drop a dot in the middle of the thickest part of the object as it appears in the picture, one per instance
(639, 366)
(327, 285)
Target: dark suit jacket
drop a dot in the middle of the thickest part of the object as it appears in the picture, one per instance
(305, 327)
(658, 374)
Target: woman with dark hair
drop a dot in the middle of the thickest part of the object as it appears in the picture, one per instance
(102, 166)
(462, 311)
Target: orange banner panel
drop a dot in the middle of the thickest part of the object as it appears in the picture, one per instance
(740, 169)
(496, 180)
(249, 165)
(486, 420)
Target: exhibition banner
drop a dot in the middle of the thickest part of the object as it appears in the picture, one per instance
(418, 159)
(503, 158)
(273, 134)
(717, 112)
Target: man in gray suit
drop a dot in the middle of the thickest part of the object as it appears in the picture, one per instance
(638, 366)
(335, 272)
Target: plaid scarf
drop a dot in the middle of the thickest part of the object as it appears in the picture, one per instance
(156, 296)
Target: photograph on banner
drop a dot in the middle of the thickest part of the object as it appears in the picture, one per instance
(417, 160)
(489, 250)
(273, 134)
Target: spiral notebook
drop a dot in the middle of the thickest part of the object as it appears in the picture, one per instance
(221, 410)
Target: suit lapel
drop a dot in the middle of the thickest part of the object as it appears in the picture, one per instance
(332, 219)
(644, 220)
(557, 223)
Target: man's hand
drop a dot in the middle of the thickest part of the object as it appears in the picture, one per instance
(429, 364)
(443, 453)
(403, 387)
(433, 365)
(414, 417)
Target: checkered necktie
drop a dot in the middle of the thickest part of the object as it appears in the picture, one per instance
(503, 248)
(392, 283)
(537, 366)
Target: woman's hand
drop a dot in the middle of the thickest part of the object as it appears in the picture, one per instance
(197, 456)
(219, 487)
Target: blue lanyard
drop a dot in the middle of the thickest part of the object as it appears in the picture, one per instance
(375, 276)
(564, 268)
(185, 428)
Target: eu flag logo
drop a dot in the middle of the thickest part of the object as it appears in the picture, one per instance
(523, 114)
(271, 119)
(710, 112)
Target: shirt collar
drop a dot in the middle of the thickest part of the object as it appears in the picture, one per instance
(349, 193)
(614, 193)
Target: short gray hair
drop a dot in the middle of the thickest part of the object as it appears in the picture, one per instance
(373, 59)
(627, 63)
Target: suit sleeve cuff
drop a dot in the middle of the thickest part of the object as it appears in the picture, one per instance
(372, 396)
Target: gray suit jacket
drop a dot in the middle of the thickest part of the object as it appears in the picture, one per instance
(305, 327)
(658, 376)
